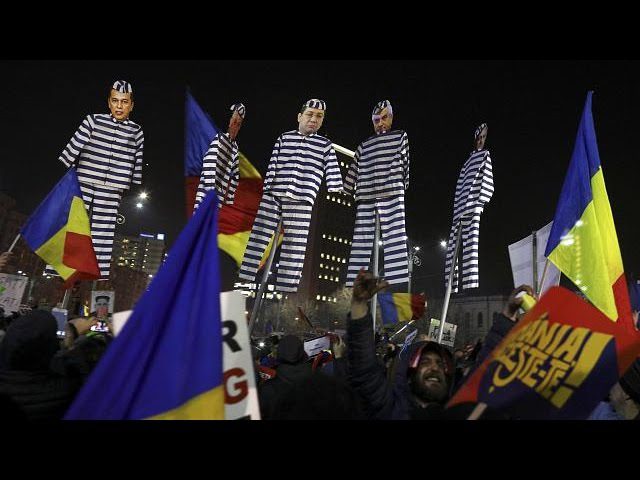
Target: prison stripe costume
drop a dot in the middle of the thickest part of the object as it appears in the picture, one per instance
(378, 178)
(107, 155)
(297, 166)
(473, 191)
(220, 170)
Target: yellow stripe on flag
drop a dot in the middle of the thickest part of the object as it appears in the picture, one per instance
(246, 169)
(403, 306)
(206, 406)
(78, 218)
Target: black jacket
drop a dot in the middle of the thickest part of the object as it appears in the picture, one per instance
(383, 400)
(25, 377)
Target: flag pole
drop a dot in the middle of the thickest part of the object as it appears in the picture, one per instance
(534, 265)
(452, 272)
(15, 240)
(398, 332)
(544, 274)
(477, 411)
(265, 278)
(376, 246)
(344, 151)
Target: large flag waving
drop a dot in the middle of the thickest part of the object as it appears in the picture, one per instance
(58, 231)
(235, 219)
(558, 362)
(166, 363)
(583, 243)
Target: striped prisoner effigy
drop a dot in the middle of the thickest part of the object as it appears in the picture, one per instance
(220, 170)
(107, 155)
(378, 178)
(380, 167)
(298, 164)
(296, 218)
(296, 168)
(474, 189)
(392, 233)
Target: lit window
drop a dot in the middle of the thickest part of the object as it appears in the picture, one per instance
(332, 269)
(334, 300)
(324, 298)
(322, 255)
(319, 276)
(325, 277)
(333, 257)
(340, 240)
(344, 261)
(335, 239)
(339, 201)
(322, 265)
(317, 297)
(333, 199)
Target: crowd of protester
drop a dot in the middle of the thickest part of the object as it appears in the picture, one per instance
(363, 375)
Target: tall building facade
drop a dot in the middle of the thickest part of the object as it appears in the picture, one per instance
(330, 238)
(143, 253)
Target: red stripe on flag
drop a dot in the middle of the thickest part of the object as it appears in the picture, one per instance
(239, 217)
(79, 255)
(417, 305)
(190, 190)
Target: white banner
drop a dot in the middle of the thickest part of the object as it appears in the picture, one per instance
(448, 335)
(11, 291)
(521, 256)
(240, 391)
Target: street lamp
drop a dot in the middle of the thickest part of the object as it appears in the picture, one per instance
(139, 204)
(143, 195)
(443, 243)
(414, 259)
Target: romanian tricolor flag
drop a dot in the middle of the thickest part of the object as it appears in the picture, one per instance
(400, 307)
(235, 220)
(583, 243)
(166, 363)
(59, 232)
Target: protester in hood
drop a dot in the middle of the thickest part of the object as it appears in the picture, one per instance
(292, 368)
(423, 374)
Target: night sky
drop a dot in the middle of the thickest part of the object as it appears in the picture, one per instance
(532, 108)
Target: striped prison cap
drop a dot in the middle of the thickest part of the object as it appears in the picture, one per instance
(122, 86)
(479, 129)
(381, 106)
(315, 103)
(240, 108)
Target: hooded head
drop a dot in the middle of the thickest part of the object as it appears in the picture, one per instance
(430, 372)
(291, 350)
(30, 342)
